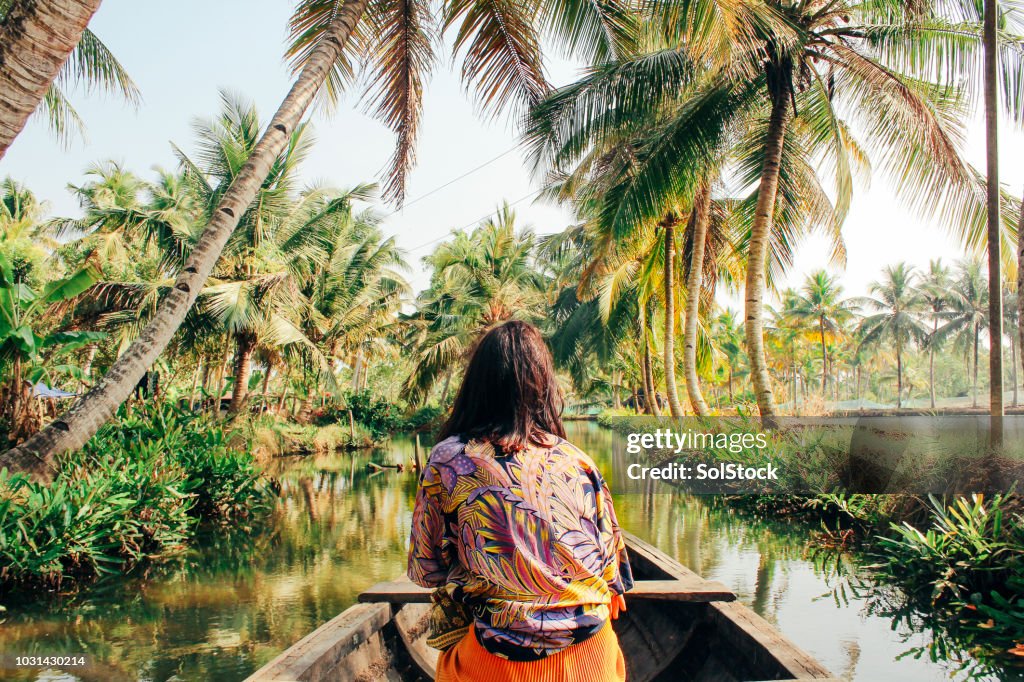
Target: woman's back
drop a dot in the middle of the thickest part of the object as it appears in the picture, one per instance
(528, 540)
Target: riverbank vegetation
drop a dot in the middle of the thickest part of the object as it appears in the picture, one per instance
(137, 492)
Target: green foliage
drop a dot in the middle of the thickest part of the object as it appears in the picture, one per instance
(136, 491)
(972, 546)
(379, 417)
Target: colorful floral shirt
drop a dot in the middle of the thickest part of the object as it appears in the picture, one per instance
(529, 541)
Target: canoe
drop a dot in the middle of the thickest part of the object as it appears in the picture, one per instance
(678, 627)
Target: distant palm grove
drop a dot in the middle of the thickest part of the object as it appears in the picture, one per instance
(702, 143)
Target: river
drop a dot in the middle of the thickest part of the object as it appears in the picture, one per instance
(224, 609)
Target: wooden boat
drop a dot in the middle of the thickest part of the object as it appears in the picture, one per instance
(678, 627)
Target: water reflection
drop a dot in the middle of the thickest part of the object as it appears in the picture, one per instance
(232, 604)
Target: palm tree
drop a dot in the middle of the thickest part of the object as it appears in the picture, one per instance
(967, 315)
(995, 279)
(25, 240)
(934, 291)
(821, 303)
(502, 62)
(36, 39)
(700, 220)
(671, 318)
(479, 279)
(802, 67)
(896, 319)
(85, 417)
(1011, 324)
(728, 337)
(353, 289)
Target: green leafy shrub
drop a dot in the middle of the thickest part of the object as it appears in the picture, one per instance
(972, 546)
(136, 491)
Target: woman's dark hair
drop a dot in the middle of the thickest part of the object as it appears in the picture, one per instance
(509, 395)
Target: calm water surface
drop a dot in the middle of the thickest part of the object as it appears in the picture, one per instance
(223, 610)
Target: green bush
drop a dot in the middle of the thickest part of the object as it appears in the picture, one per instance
(136, 491)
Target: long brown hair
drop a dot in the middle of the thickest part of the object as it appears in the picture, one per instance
(509, 395)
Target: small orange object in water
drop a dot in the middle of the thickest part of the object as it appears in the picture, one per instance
(596, 659)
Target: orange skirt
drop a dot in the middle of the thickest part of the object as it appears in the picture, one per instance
(596, 659)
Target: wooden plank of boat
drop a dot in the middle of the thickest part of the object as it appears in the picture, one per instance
(737, 624)
(689, 590)
(663, 640)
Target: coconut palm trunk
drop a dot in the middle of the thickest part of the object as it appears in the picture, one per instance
(244, 347)
(899, 375)
(995, 278)
(88, 414)
(1013, 366)
(650, 393)
(699, 222)
(196, 376)
(760, 238)
(265, 393)
(1020, 284)
(36, 39)
(974, 384)
(931, 361)
(675, 407)
(824, 356)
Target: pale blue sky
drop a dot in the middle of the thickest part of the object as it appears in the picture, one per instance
(180, 54)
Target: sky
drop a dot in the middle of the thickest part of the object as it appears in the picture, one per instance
(182, 54)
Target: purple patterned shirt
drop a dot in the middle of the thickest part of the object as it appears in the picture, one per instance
(529, 541)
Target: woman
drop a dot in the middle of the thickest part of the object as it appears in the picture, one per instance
(516, 524)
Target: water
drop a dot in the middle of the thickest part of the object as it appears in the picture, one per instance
(222, 611)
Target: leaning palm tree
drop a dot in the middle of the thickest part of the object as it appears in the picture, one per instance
(36, 39)
(502, 61)
(821, 303)
(897, 317)
(796, 83)
(934, 290)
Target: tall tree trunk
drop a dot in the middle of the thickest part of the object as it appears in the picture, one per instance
(87, 367)
(974, 384)
(195, 386)
(699, 222)
(88, 414)
(357, 369)
(650, 389)
(220, 383)
(824, 358)
(931, 361)
(995, 275)
(899, 376)
(1020, 288)
(244, 346)
(266, 388)
(1013, 365)
(675, 407)
(616, 396)
(760, 239)
(36, 38)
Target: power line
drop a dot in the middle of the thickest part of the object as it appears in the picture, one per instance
(453, 181)
(474, 222)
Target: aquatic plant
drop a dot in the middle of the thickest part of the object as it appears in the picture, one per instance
(137, 491)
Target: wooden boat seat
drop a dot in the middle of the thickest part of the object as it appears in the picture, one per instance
(694, 590)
